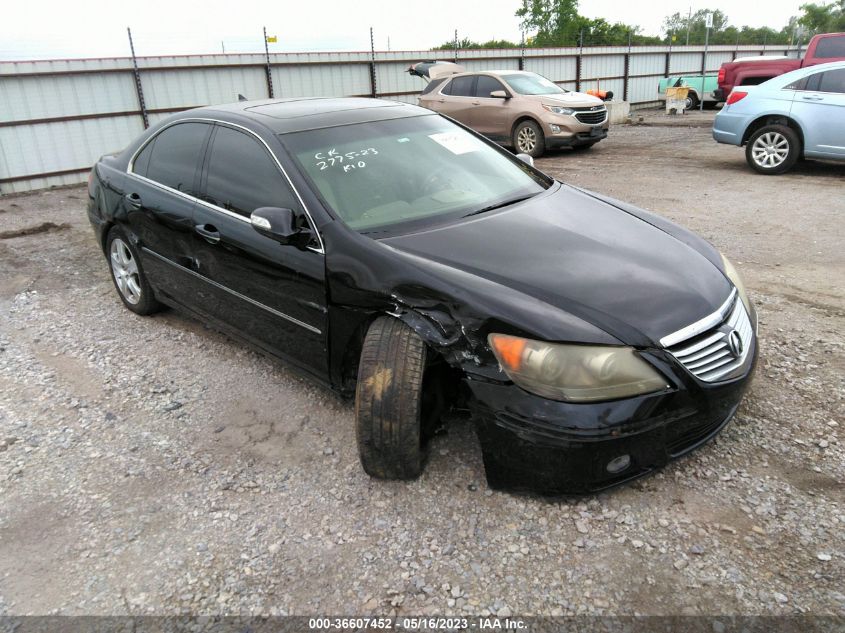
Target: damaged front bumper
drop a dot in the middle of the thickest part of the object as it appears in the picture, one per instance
(548, 447)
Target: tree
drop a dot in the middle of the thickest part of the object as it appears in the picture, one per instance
(823, 18)
(558, 23)
(466, 43)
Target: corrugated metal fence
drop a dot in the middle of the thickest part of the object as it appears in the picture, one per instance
(58, 117)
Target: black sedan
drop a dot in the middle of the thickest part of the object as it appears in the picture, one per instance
(397, 256)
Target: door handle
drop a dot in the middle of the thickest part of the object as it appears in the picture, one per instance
(441, 100)
(812, 97)
(209, 233)
(133, 200)
(476, 103)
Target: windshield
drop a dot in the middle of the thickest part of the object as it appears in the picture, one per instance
(531, 84)
(395, 175)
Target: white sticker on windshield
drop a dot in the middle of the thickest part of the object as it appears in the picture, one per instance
(456, 142)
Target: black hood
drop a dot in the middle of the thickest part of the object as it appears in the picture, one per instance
(587, 257)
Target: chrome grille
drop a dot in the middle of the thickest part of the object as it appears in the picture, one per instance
(709, 355)
(592, 117)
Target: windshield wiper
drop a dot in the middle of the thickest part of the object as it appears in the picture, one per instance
(499, 205)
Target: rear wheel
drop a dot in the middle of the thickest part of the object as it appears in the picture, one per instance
(128, 275)
(773, 149)
(389, 402)
(528, 139)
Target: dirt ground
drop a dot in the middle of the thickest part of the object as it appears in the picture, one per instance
(154, 466)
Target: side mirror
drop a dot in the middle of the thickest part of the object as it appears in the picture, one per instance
(500, 94)
(276, 223)
(525, 158)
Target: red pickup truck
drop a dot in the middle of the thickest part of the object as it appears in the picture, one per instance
(750, 71)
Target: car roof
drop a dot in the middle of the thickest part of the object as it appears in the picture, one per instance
(283, 116)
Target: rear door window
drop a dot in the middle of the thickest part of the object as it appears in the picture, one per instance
(241, 176)
(485, 85)
(463, 86)
(832, 81)
(174, 156)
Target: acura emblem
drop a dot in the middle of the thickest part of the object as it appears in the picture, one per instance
(735, 344)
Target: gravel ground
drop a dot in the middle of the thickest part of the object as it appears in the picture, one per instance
(154, 466)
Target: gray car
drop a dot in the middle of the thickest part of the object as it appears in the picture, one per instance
(798, 114)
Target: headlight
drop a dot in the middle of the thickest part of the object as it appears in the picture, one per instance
(558, 109)
(732, 274)
(575, 373)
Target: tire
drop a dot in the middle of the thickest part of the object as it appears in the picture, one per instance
(773, 149)
(388, 401)
(127, 274)
(528, 139)
(692, 101)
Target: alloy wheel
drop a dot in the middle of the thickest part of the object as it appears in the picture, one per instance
(526, 139)
(125, 271)
(770, 150)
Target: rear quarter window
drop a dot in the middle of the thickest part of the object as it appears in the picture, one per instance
(434, 83)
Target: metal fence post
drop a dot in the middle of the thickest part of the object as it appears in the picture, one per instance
(578, 61)
(522, 52)
(139, 89)
(627, 70)
(373, 90)
(267, 66)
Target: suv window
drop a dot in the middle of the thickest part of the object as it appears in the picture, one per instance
(173, 156)
(241, 175)
(832, 81)
(485, 85)
(461, 86)
(831, 47)
(434, 83)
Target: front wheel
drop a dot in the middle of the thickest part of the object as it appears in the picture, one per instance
(528, 139)
(388, 401)
(773, 149)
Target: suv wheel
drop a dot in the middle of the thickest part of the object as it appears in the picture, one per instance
(773, 149)
(528, 139)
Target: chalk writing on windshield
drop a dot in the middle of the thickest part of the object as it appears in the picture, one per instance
(346, 160)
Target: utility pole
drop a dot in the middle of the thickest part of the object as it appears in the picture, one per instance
(689, 24)
(456, 46)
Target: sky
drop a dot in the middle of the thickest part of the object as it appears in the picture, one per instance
(42, 29)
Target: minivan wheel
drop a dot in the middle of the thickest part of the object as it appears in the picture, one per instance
(773, 149)
(388, 401)
(528, 139)
(128, 275)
